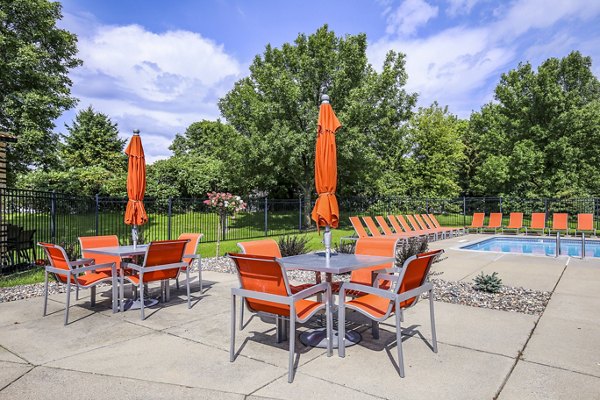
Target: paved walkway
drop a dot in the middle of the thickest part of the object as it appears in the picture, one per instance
(180, 353)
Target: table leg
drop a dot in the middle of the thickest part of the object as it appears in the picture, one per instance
(121, 287)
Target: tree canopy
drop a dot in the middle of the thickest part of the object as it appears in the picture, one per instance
(35, 59)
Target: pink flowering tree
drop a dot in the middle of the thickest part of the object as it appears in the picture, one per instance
(224, 204)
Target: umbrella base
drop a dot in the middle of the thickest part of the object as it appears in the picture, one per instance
(318, 338)
(131, 304)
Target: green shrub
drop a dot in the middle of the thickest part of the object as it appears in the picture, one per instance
(293, 245)
(488, 283)
(409, 248)
(346, 247)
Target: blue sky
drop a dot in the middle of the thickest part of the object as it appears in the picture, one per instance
(159, 66)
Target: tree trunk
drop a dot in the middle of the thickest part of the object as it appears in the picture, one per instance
(307, 203)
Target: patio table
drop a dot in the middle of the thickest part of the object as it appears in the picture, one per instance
(122, 252)
(339, 263)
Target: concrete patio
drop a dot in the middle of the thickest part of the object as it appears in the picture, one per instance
(181, 353)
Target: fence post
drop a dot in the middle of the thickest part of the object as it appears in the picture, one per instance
(97, 214)
(546, 207)
(300, 214)
(500, 204)
(266, 216)
(464, 211)
(169, 216)
(53, 218)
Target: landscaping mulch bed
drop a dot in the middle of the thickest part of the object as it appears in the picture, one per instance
(513, 299)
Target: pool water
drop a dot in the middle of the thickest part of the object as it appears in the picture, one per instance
(540, 246)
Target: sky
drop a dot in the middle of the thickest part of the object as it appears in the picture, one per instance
(159, 66)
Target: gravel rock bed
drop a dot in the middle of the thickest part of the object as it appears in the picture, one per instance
(513, 299)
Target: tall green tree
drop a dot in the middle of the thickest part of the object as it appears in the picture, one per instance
(276, 108)
(541, 138)
(35, 59)
(93, 140)
(437, 152)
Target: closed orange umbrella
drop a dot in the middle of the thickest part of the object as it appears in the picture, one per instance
(135, 214)
(326, 211)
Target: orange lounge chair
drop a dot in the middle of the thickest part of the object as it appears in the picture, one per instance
(388, 232)
(560, 222)
(424, 225)
(372, 226)
(408, 228)
(81, 273)
(494, 222)
(585, 223)
(408, 283)
(358, 227)
(476, 222)
(432, 225)
(190, 257)
(538, 223)
(163, 261)
(419, 229)
(395, 224)
(515, 222)
(264, 286)
(438, 225)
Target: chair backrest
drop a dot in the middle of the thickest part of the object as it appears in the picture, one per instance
(379, 246)
(265, 275)
(585, 222)
(414, 223)
(264, 247)
(384, 226)
(414, 274)
(358, 227)
(164, 252)
(495, 220)
(192, 246)
(477, 221)
(404, 224)
(395, 224)
(538, 221)
(516, 220)
(560, 221)
(420, 221)
(434, 220)
(89, 242)
(428, 221)
(371, 225)
(57, 257)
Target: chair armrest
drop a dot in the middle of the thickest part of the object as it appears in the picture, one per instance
(194, 256)
(366, 289)
(262, 296)
(133, 266)
(303, 294)
(163, 267)
(81, 261)
(427, 286)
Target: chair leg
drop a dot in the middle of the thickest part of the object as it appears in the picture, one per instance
(93, 296)
(329, 320)
(399, 343)
(432, 316)
(292, 339)
(187, 284)
(68, 299)
(232, 341)
(241, 313)
(375, 329)
(341, 325)
(200, 275)
(77, 292)
(177, 281)
(142, 300)
(45, 292)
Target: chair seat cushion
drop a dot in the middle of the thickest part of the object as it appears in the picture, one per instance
(336, 286)
(93, 278)
(304, 308)
(372, 304)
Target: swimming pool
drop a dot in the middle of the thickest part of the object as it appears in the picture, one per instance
(539, 246)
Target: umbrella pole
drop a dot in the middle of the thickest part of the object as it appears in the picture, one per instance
(134, 235)
(327, 241)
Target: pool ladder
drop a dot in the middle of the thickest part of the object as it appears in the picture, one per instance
(582, 244)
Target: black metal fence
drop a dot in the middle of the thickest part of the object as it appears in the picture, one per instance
(30, 216)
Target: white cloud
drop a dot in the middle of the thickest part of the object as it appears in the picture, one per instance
(409, 16)
(156, 82)
(458, 7)
(459, 66)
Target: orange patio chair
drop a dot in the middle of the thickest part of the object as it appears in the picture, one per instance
(419, 229)
(585, 223)
(264, 285)
(163, 261)
(538, 223)
(387, 231)
(88, 242)
(494, 222)
(372, 226)
(437, 224)
(267, 248)
(191, 256)
(396, 225)
(431, 225)
(476, 222)
(81, 273)
(514, 223)
(358, 227)
(560, 222)
(408, 283)
(409, 229)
